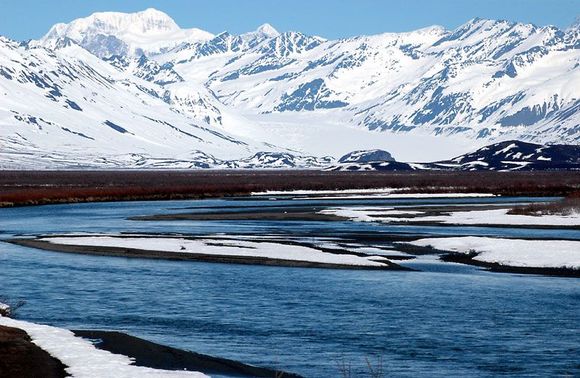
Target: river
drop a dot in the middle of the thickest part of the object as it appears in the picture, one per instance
(444, 320)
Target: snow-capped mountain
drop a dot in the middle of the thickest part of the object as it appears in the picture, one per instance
(112, 33)
(117, 89)
(70, 106)
(487, 79)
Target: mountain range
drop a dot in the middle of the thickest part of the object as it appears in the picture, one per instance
(136, 90)
(505, 156)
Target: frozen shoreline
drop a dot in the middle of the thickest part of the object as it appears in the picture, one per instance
(515, 253)
(74, 352)
(496, 217)
(208, 250)
(82, 358)
(395, 193)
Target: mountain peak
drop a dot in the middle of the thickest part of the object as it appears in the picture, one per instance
(111, 33)
(575, 24)
(148, 22)
(153, 13)
(267, 30)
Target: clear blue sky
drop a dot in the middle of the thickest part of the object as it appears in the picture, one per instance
(25, 19)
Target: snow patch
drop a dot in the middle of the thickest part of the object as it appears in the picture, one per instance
(512, 252)
(83, 359)
(245, 248)
(473, 217)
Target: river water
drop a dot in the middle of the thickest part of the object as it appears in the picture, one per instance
(445, 320)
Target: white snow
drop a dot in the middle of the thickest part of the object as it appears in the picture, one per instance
(246, 248)
(501, 217)
(503, 151)
(149, 31)
(494, 217)
(424, 195)
(366, 193)
(83, 359)
(512, 252)
(367, 214)
(322, 192)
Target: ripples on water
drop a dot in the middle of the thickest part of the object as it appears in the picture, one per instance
(447, 320)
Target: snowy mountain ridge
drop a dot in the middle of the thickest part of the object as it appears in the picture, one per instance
(423, 95)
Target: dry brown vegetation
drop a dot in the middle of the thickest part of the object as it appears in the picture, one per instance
(19, 188)
(567, 206)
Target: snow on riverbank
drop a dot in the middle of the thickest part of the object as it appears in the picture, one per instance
(83, 358)
(366, 193)
(4, 309)
(221, 247)
(500, 216)
(512, 252)
(322, 192)
(368, 214)
(473, 217)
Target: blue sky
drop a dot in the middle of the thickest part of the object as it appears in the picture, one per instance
(25, 19)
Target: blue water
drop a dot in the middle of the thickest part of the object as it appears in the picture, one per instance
(447, 319)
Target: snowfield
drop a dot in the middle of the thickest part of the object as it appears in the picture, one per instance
(512, 252)
(218, 247)
(83, 359)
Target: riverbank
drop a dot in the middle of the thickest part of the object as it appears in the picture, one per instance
(246, 252)
(32, 350)
(521, 256)
(22, 188)
(157, 356)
